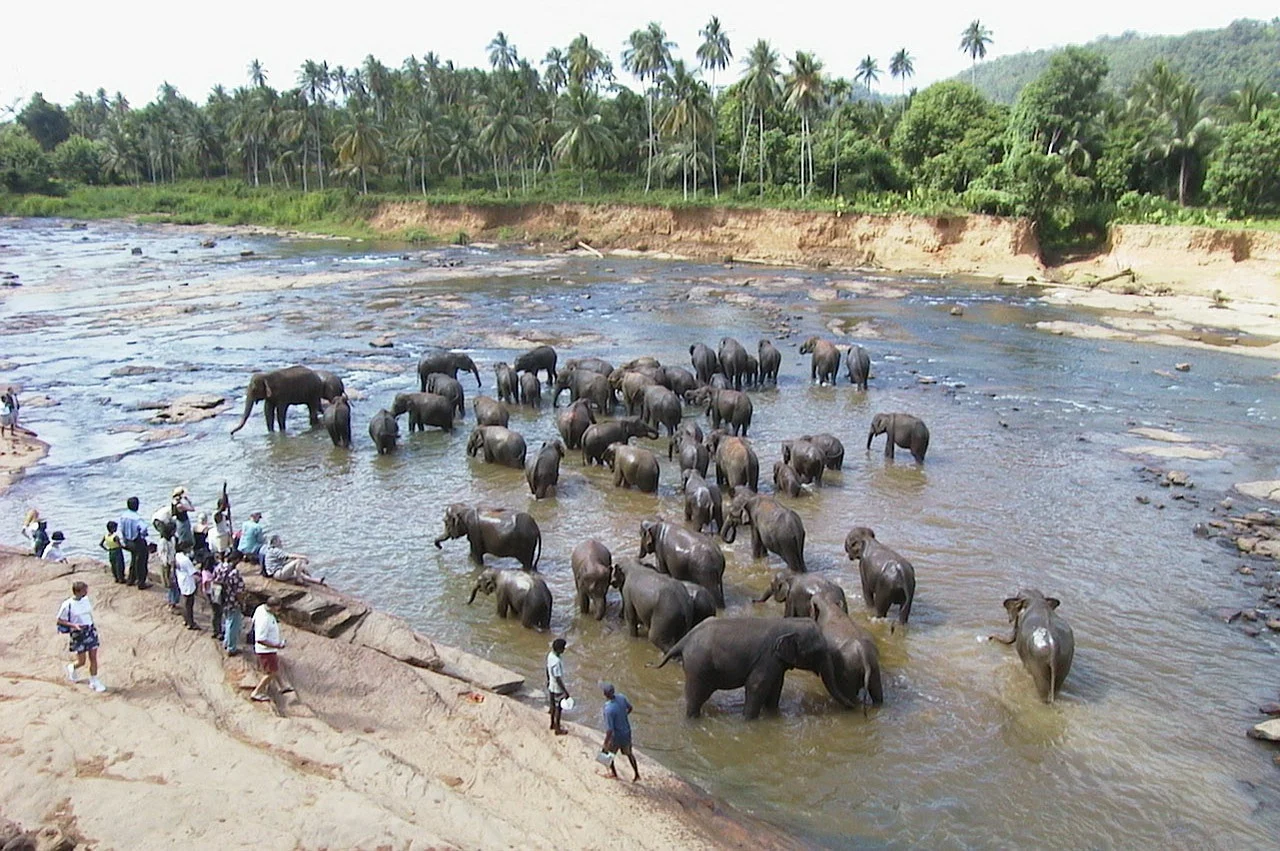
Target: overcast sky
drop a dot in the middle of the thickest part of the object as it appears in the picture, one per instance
(59, 48)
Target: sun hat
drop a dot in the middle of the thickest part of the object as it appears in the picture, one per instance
(57, 536)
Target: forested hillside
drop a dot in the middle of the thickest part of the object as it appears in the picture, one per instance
(1215, 60)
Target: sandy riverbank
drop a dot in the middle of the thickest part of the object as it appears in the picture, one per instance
(369, 752)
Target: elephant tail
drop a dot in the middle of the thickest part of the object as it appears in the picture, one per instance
(537, 555)
(676, 652)
(1053, 668)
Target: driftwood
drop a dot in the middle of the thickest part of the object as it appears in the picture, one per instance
(1123, 273)
(590, 250)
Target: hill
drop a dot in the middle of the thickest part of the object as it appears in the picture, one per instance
(1218, 60)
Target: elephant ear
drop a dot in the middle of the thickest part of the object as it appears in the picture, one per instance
(1014, 606)
(1053, 602)
(787, 648)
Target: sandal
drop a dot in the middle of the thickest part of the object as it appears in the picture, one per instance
(260, 698)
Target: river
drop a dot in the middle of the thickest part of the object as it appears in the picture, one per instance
(1025, 485)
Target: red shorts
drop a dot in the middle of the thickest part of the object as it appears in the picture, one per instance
(269, 662)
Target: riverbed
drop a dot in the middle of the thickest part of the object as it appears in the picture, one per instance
(1027, 484)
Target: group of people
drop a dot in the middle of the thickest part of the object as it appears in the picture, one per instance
(43, 545)
(617, 712)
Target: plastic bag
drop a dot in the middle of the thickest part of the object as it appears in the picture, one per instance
(605, 758)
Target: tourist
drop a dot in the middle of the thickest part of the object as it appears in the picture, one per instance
(53, 552)
(134, 534)
(228, 588)
(30, 526)
(617, 728)
(76, 618)
(220, 534)
(208, 567)
(267, 644)
(9, 413)
(114, 545)
(184, 571)
(556, 690)
(285, 566)
(166, 551)
(252, 537)
(201, 535)
(181, 508)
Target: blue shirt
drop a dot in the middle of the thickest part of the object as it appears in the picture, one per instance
(251, 535)
(131, 527)
(616, 720)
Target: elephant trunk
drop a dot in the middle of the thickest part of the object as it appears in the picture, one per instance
(870, 435)
(730, 533)
(476, 371)
(249, 402)
(438, 540)
(767, 595)
(474, 590)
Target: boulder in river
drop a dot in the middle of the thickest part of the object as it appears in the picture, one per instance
(1261, 490)
(191, 408)
(1267, 731)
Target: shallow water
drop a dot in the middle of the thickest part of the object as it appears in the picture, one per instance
(1024, 486)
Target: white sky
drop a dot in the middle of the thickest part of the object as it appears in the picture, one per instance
(133, 45)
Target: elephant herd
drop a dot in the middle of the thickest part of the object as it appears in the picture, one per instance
(674, 585)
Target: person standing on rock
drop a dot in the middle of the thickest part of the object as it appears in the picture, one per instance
(112, 543)
(617, 727)
(30, 526)
(166, 550)
(76, 618)
(267, 644)
(134, 534)
(181, 508)
(228, 585)
(184, 571)
(9, 413)
(557, 692)
(220, 534)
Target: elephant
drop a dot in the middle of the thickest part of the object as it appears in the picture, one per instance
(730, 653)
(1045, 641)
(858, 363)
(786, 479)
(774, 527)
(592, 565)
(450, 388)
(720, 382)
(855, 661)
(424, 409)
(725, 406)
(447, 363)
(657, 602)
(832, 449)
(679, 380)
(596, 365)
(694, 454)
(543, 470)
(736, 462)
(530, 390)
(770, 361)
(490, 412)
(684, 554)
(525, 595)
(573, 422)
(384, 431)
(797, 590)
(659, 406)
(703, 504)
(733, 361)
(705, 362)
(643, 362)
(806, 459)
(632, 466)
(537, 359)
(751, 378)
(337, 421)
(280, 388)
(824, 362)
(599, 436)
(504, 532)
(631, 387)
(508, 384)
(905, 430)
(333, 386)
(704, 605)
(500, 445)
(584, 384)
(887, 578)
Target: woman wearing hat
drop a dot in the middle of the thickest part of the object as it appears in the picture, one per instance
(53, 552)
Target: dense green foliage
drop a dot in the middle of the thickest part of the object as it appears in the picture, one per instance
(1071, 153)
(1217, 60)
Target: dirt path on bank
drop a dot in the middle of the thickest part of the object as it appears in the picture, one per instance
(368, 753)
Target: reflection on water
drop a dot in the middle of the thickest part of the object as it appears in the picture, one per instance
(1023, 486)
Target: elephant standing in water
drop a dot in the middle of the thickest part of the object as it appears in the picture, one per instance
(499, 445)
(705, 362)
(280, 388)
(1045, 641)
(824, 362)
(501, 531)
(774, 527)
(662, 605)
(684, 554)
(537, 359)
(337, 421)
(524, 595)
(796, 591)
(855, 660)
(733, 361)
(592, 565)
(600, 436)
(384, 431)
(490, 411)
(730, 653)
(770, 361)
(887, 578)
(736, 462)
(543, 470)
(508, 383)
(904, 430)
(450, 388)
(573, 422)
(424, 409)
(447, 363)
(858, 363)
(333, 386)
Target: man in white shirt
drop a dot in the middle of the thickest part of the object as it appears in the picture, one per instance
(556, 690)
(267, 644)
(184, 572)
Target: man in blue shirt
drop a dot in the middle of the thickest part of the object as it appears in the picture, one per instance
(617, 726)
(252, 537)
(133, 533)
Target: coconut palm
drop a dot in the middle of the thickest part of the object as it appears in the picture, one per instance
(974, 41)
(587, 142)
(502, 53)
(314, 80)
(760, 91)
(359, 147)
(1243, 105)
(648, 57)
(1182, 132)
(502, 134)
(714, 54)
(902, 66)
(805, 90)
(587, 63)
(555, 70)
(868, 72)
(257, 74)
(687, 107)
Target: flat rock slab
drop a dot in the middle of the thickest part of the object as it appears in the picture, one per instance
(393, 637)
(1261, 490)
(478, 672)
(1190, 453)
(1161, 435)
(1267, 731)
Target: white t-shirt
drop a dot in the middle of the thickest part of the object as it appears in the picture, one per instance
(76, 611)
(555, 668)
(265, 626)
(185, 570)
(53, 552)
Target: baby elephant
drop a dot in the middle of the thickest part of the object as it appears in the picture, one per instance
(543, 470)
(592, 572)
(887, 577)
(903, 430)
(1044, 640)
(796, 591)
(523, 594)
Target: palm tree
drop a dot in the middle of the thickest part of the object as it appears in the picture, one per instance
(805, 88)
(1183, 131)
(687, 99)
(838, 95)
(587, 63)
(714, 54)
(257, 74)
(760, 91)
(648, 57)
(359, 146)
(974, 41)
(586, 142)
(555, 70)
(901, 66)
(1243, 105)
(868, 72)
(314, 79)
(502, 53)
(502, 133)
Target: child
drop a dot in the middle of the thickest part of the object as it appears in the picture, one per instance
(114, 546)
(53, 552)
(40, 538)
(30, 525)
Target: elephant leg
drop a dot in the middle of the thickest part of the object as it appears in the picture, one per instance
(630, 619)
(282, 412)
(477, 554)
(888, 446)
(758, 549)
(601, 605)
(269, 411)
(696, 694)
(763, 691)
(314, 408)
(905, 611)
(883, 601)
(504, 606)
